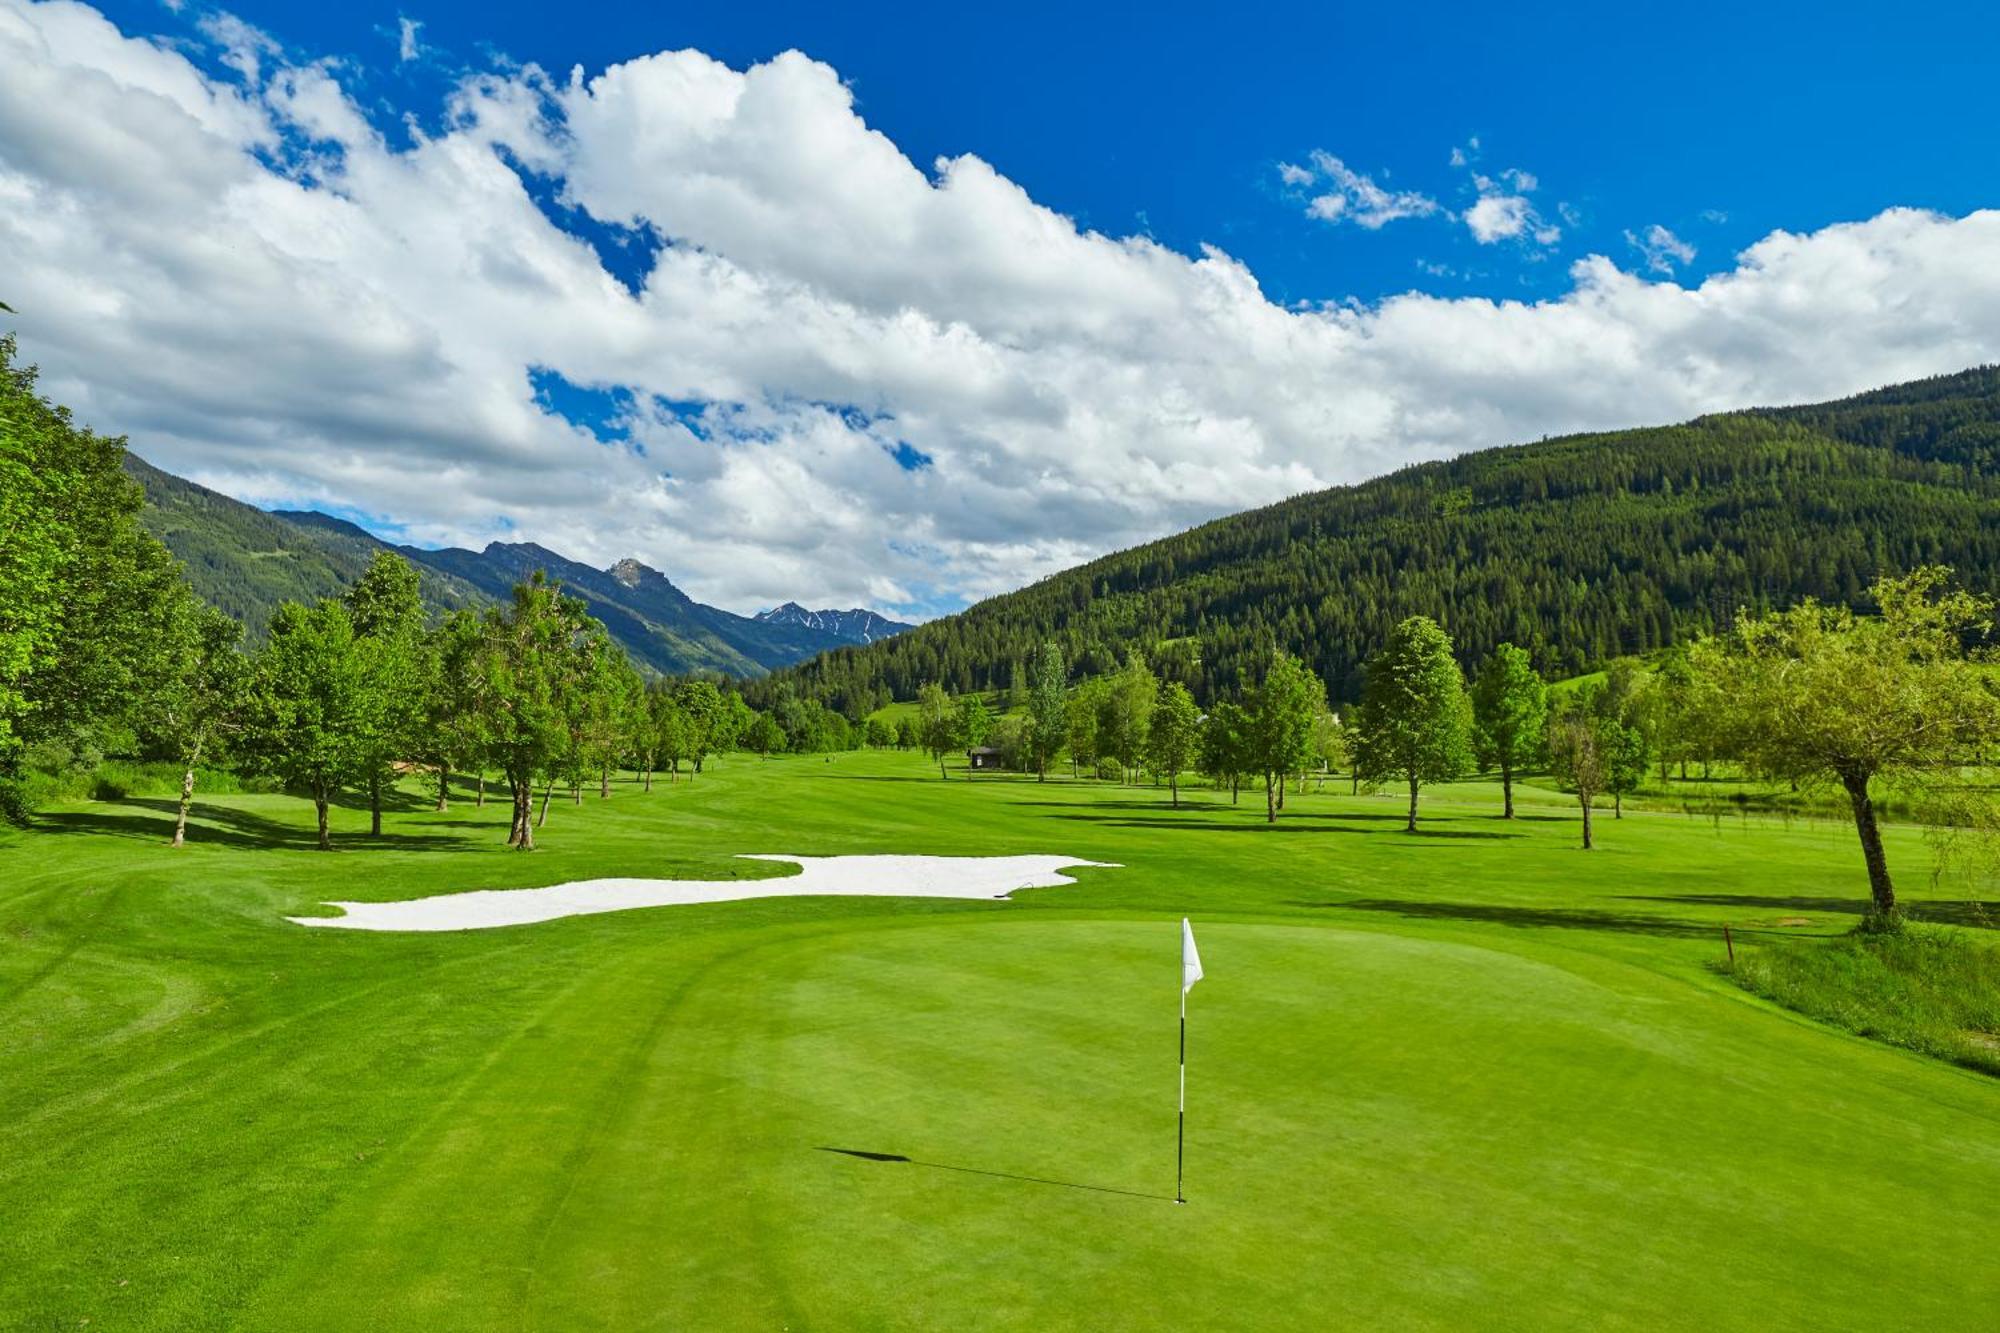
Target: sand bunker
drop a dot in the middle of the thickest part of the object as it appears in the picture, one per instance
(865, 876)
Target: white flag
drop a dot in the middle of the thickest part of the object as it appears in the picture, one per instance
(1190, 960)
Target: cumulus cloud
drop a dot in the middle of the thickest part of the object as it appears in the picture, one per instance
(838, 375)
(1503, 211)
(1661, 249)
(1350, 196)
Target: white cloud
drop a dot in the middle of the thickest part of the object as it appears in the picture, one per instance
(1351, 196)
(408, 48)
(1503, 211)
(269, 296)
(1661, 249)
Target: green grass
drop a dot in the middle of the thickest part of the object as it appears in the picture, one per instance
(1935, 991)
(1471, 1078)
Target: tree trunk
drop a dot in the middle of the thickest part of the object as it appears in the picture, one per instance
(1281, 791)
(1174, 787)
(187, 796)
(1585, 802)
(1883, 892)
(1617, 805)
(1411, 827)
(375, 805)
(524, 828)
(1235, 789)
(941, 773)
(319, 808)
(1506, 791)
(444, 787)
(1270, 799)
(547, 791)
(1354, 786)
(649, 777)
(481, 802)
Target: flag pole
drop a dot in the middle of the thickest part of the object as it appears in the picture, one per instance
(1180, 1128)
(1190, 973)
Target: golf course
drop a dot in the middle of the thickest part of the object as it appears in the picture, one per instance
(1470, 1077)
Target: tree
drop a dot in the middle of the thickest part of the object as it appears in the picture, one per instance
(453, 730)
(315, 710)
(197, 695)
(975, 723)
(387, 610)
(906, 734)
(1124, 712)
(1574, 733)
(707, 718)
(83, 587)
(1281, 713)
(1624, 710)
(1510, 709)
(528, 652)
(1082, 709)
(1225, 746)
(1048, 717)
(1818, 693)
(764, 735)
(1414, 722)
(880, 734)
(937, 723)
(1329, 742)
(1172, 734)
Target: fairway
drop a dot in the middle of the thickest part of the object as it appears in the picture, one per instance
(1473, 1077)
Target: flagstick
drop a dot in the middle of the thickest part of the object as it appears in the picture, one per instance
(1180, 1129)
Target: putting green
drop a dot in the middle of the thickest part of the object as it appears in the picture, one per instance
(1506, 1094)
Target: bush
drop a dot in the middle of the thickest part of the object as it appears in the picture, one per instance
(1926, 989)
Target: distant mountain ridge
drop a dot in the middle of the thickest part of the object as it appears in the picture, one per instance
(857, 625)
(246, 560)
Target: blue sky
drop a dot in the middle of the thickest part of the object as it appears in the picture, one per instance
(1719, 122)
(960, 296)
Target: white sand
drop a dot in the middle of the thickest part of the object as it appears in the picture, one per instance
(864, 876)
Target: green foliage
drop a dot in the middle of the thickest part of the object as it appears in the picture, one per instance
(1047, 725)
(1510, 708)
(1930, 990)
(84, 592)
(1415, 722)
(1578, 550)
(1125, 704)
(316, 714)
(1817, 693)
(1172, 733)
(1278, 739)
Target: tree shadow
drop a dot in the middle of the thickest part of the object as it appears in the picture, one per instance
(1631, 923)
(225, 826)
(1287, 823)
(899, 1158)
(1964, 912)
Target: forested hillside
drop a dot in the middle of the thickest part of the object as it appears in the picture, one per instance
(245, 561)
(1578, 548)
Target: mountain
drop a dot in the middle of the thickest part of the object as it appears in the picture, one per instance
(246, 560)
(1579, 549)
(853, 626)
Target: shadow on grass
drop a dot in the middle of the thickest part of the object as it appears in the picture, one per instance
(899, 1158)
(1967, 912)
(221, 825)
(1287, 823)
(1630, 923)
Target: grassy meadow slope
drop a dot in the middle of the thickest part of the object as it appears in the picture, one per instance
(1473, 1078)
(1580, 549)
